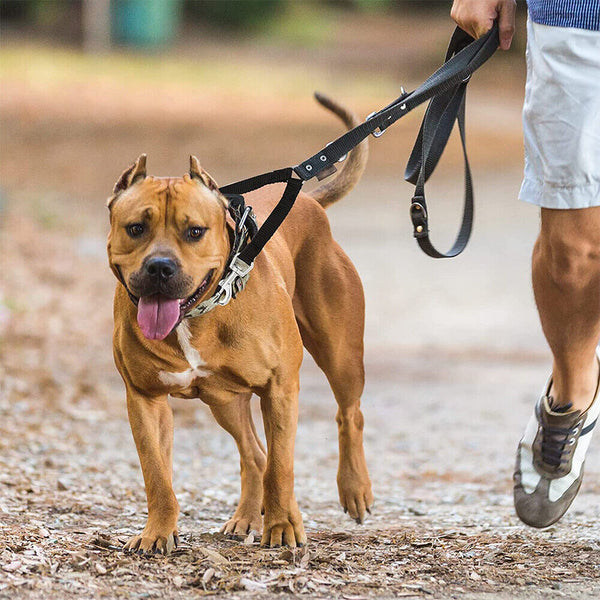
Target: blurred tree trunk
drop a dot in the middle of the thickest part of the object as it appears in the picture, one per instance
(96, 26)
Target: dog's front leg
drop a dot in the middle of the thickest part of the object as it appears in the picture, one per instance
(151, 421)
(282, 520)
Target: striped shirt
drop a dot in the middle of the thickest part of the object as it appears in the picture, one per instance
(582, 14)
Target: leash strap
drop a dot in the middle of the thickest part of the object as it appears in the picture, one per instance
(446, 90)
(279, 213)
(248, 239)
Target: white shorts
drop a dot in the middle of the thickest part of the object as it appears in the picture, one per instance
(561, 117)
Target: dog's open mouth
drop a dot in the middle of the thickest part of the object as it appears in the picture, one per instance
(158, 314)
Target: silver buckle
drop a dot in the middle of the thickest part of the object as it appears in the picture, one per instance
(375, 133)
(382, 131)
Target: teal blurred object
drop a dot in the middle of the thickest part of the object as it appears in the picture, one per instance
(148, 23)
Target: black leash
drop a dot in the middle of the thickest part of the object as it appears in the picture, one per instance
(446, 89)
(275, 219)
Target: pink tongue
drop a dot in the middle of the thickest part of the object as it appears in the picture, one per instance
(157, 315)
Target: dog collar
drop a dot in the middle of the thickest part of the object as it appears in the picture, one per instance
(237, 271)
(234, 281)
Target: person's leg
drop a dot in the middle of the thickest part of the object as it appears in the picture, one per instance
(566, 283)
(561, 133)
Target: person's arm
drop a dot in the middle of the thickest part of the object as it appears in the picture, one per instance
(477, 16)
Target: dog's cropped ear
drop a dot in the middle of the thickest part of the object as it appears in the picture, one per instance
(129, 176)
(136, 171)
(197, 172)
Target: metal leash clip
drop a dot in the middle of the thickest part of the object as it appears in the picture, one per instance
(234, 282)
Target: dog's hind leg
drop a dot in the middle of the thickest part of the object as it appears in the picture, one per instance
(236, 418)
(331, 321)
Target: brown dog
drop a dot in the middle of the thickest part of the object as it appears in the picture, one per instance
(168, 246)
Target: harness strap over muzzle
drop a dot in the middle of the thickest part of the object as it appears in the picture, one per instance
(446, 90)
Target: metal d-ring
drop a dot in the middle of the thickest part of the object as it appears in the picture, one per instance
(381, 131)
(243, 219)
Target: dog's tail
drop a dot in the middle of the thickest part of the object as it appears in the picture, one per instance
(355, 164)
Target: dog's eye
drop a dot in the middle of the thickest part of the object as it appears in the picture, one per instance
(135, 230)
(195, 233)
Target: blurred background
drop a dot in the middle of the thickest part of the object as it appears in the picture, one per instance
(88, 85)
(454, 354)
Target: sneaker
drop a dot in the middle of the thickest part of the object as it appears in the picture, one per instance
(550, 459)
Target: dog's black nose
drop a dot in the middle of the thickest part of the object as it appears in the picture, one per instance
(161, 267)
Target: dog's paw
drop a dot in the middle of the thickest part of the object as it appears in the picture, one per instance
(356, 497)
(239, 526)
(284, 531)
(147, 543)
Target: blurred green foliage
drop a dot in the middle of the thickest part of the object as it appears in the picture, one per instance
(228, 13)
(235, 14)
(296, 21)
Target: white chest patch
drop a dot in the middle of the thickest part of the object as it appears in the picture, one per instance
(185, 378)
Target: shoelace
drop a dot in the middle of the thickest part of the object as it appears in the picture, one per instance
(555, 439)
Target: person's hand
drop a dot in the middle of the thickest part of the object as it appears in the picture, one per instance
(477, 16)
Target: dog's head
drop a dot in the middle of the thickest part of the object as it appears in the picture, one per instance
(168, 242)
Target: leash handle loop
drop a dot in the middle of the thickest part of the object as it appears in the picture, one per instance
(444, 110)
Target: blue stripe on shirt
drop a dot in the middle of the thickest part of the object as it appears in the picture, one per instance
(582, 14)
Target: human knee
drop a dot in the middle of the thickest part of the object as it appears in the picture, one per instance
(572, 261)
